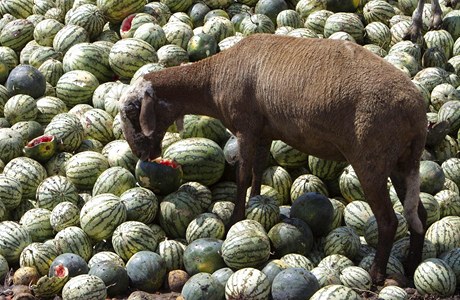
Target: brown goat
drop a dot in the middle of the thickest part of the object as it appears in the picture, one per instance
(415, 31)
(332, 99)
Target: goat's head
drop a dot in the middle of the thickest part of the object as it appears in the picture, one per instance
(145, 119)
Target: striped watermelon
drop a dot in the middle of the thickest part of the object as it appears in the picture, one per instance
(342, 240)
(114, 180)
(256, 23)
(172, 55)
(201, 159)
(84, 286)
(52, 69)
(20, 108)
(100, 216)
(378, 11)
(151, 33)
(273, 268)
(286, 156)
(56, 165)
(11, 191)
(37, 222)
(278, 178)
(13, 239)
(245, 225)
(76, 87)
(307, 183)
(205, 127)
(326, 276)
(20, 9)
(134, 21)
(222, 275)
(84, 168)
(28, 172)
(246, 249)
(356, 278)
(296, 260)
(74, 240)
(45, 31)
(199, 191)
(444, 234)
(90, 17)
(118, 153)
(350, 187)
(205, 225)
(452, 258)
(54, 190)
(39, 256)
(68, 36)
(247, 283)
(177, 210)
(371, 232)
(128, 55)
(316, 20)
(449, 203)
(263, 209)
(105, 256)
(98, 125)
(223, 209)
(100, 93)
(379, 34)
(346, 22)
(434, 276)
(336, 262)
(172, 251)
(177, 5)
(16, 34)
(63, 215)
(336, 292)
(219, 27)
(89, 57)
(440, 39)
(288, 17)
(141, 204)
(48, 107)
(131, 237)
(90, 145)
(11, 144)
(116, 10)
(393, 292)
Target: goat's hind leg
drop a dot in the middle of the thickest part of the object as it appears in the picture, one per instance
(415, 30)
(406, 184)
(373, 180)
(260, 162)
(436, 10)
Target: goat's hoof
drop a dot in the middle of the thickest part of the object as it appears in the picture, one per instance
(377, 278)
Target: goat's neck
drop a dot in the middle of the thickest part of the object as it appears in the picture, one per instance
(186, 88)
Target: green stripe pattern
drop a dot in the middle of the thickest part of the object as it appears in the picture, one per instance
(100, 216)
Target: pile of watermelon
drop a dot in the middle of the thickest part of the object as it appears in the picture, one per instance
(82, 218)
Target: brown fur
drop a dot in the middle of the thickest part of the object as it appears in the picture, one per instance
(332, 99)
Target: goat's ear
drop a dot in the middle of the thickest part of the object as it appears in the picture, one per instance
(147, 114)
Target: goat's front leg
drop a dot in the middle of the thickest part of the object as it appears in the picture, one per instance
(436, 10)
(247, 149)
(260, 163)
(415, 30)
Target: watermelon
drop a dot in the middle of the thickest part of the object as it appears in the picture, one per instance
(128, 55)
(37, 222)
(263, 209)
(434, 276)
(202, 286)
(63, 215)
(131, 237)
(172, 251)
(115, 10)
(162, 176)
(201, 159)
(146, 271)
(76, 87)
(141, 204)
(294, 283)
(247, 283)
(74, 240)
(316, 210)
(19, 108)
(114, 276)
(88, 16)
(335, 292)
(11, 144)
(100, 216)
(11, 191)
(26, 79)
(246, 249)
(291, 236)
(28, 172)
(84, 286)
(68, 36)
(39, 256)
(205, 225)
(84, 168)
(17, 33)
(13, 239)
(203, 255)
